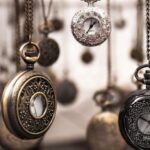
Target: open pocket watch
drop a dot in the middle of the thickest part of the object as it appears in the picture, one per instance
(28, 101)
(91, 26)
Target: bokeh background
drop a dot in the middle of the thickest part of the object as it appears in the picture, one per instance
(69, 129)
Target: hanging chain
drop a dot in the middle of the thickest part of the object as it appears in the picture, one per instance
(29, 19)
(17, 39)
(109, 61)
(45, 17)
(148, 28)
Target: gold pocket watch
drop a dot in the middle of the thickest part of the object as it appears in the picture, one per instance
(28, 101)
(91, 26)
(105, 123)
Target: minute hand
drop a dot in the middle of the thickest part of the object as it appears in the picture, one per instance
(91, 26)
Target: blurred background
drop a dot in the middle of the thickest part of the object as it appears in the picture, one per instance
(88, 75)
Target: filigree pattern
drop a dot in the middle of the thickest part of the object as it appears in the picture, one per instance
(133, 113)
(27, 121)
(100, 36)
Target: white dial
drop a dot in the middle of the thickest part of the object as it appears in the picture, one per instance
(38, 105)
(91, 26)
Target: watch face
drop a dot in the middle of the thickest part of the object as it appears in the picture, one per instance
(144, 124)
(91, 27)
(38, 105)
(134, 122)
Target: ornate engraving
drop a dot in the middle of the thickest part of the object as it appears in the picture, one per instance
(100, 35)
(131, 118)
(27, 121)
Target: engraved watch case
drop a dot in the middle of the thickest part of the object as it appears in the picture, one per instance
(28, 101)
(91, 26)
(134, 120)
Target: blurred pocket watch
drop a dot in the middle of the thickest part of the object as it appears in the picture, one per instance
(66, 92)
(106, 122)
(87, 57)
(49, 49)
(28, 101)
(91, 26)
(110, 99)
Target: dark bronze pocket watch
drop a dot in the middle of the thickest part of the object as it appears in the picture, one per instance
(49, 52)
(87, 57)
(28, 101)
(66, 92)
(49, 48)
(134, 118)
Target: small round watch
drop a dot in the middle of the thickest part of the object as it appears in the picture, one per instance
(91, 26)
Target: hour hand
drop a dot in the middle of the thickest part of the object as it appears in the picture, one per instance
(144, 119)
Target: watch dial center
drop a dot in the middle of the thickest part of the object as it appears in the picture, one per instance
(91, 26)
(144, 124)
(38, 105)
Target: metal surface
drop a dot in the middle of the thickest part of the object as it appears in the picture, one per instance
(49, 51)
(101, 132)
(97, 30)
(135, 110)
(16, 105)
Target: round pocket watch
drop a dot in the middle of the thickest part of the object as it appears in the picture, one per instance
(66, 92)
(28, 101)
(106, 122)
(49, 49)
(91, 26)
(87, 57)
(134, 118)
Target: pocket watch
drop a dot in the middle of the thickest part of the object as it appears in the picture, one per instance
(134, 118)
(87, 57)
(49, 48)
(49, 51)
(91, 26)
(106, 122)
(66, 92)
(28, 101)
(110, 98)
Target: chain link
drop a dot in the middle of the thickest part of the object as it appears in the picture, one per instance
(29, 18)
(148, 28)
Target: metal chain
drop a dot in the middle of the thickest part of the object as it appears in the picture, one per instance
(17, 39)
(45, 17)
(148, 28)
(29, 19)
(109, 59)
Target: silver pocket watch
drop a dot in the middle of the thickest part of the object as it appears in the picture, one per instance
(91, 26)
